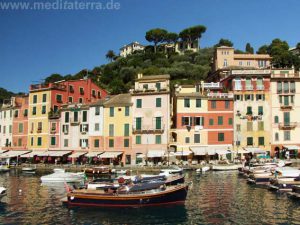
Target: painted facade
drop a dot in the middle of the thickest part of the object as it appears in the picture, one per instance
(6, 123)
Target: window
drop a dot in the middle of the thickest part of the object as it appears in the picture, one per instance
(260, 110)
(43, 109)
(67, 117)
(33, 110)
(31, 141)
(39, 141)
(59, 98)
(53, 126)
(211, 122)
(279, 87)
(249, 110)
(126, 110)
(44, 97)
(96, 143)
(139, 103)
(55, 108)
(65, 129)
(260, 97)
(145, 86)
(198, 103)
(20, 142)
(249, 140)
(276, 120)
(40, 126)
(187, 103)
(20, 127)
(292, 87)
(80, 100)
(287, 135)
(97, 110)
(248, 63)
(186, 121)
(187, 140)
(230, 121)
(84, 143)
(94, 93)
(10, 129)
(111, 143)
(261, 141)
(213, 104)
(66, 142)
(25, 112)
(199, 121)
(238, 97)
(81, 91)
(76, 116)
(286, 87)
(84, 128)
(286, 118)
(126, 143)
(157, 123)
(238, 127)
(261, 125)
(276, 136)
(70, 99)
(221, 137)
(84, 116)
(138, 139)
(227, 104)
(286, 100)
(99, 94)
(157, 139)
(111, 130)
(53, 140)
(196, 138)
(34, 99)
(138, 123)
(97, 126)
(220, 120)
(240, 63)
(126, 130)
(158, 86)
(16, 113)
(249, 126)
(4, 129)
(158, 102)
(127, 159)
(249, 97)
(71, 89)
(225, 63)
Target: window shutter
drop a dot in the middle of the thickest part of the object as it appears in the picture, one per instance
(182, 121)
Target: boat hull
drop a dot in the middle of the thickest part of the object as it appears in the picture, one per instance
(175, 195)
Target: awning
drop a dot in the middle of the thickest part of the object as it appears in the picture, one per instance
(292, 147)
(183, 153)
(255, 150)
(140, 156)
(54, 153)
(93, 154)
(242, 151)
(2, 151)
(110, 155)
(222, 152)
(200, 150)
(155, 153)
(76, 154)
(32, 154)
(13, 153)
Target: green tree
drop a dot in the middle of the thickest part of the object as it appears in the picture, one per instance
(156, 36)
(110, 55)
(249, 49)
(53, 78)
(298, 45)
(192, 34)
(224, 42)
(263, 50)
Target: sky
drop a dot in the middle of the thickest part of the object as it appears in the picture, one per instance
(37, 43)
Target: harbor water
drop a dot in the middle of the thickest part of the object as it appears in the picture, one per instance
(214, 198)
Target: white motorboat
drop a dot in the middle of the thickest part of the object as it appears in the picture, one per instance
(4, 168)
(225, 167)
(60, 176)
(2, 192)
(168, 172)
(28, 169)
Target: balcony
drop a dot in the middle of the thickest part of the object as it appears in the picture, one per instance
(39, 130)
(212, 85)
(74, 123)
(220, 95)
(286, 75)
(286, 107)
(287, 126)
(249, 88)
(53, 115)
(53, 131)
(148, 130)
(260, 87)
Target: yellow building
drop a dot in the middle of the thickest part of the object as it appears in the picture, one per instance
(118, 128)
(38, 122)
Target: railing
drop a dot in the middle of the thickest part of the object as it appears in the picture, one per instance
(53, 115)
(51, 85)
(285, 107)
(260, 87)
(285, 75)
(287, 126)
(148, 130)
(74, 123)
(212, 85)
(220, 95)
(249, 88)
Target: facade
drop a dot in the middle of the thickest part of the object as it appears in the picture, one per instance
(151, 116)
(117, 129)
(285, 95)
(130, 48)
(45, 101)
(20, 123)
(6, 123)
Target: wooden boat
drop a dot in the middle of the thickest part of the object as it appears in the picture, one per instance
(137, 195)
(28, 169)
(99, 170)
(2, 192)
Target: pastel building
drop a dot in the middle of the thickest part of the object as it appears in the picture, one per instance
(151, 117)
(20, 123)
(131, 48)
(6, 123)
(285, 96)
(117, 129)
(45, 101)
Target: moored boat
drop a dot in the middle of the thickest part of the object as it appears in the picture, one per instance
(2, 192)
(4, 168)
(137, 195)
(225, 167)
(98, 170)
(28, 169)
(60, 176)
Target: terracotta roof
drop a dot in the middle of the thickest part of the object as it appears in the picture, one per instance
(119, 100)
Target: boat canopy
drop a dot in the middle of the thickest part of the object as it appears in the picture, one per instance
(292, 147)
(13, 153)
(54, 153)
(93, 154)
(76, 154)
(155, 153)
(255, 150)
(110, 155)
(31, 154)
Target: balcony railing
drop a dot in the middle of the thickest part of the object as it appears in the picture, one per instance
(53, 115)
(212, 85)
(74, 123)
(220, 95)
(51, 85)
(286, 107)
(285, 75)
(287, 126)
(249, 88)
(148, 130)
(260, 87)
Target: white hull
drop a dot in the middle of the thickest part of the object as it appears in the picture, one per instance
(61, 176)
(225, 167)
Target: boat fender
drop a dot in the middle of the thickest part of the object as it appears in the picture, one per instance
(72, 198)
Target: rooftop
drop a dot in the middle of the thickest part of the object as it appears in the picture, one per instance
(119, 100)
(153, 77)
